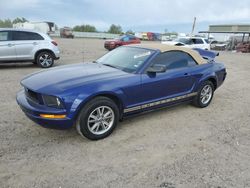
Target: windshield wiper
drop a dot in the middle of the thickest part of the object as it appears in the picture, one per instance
(106, 64)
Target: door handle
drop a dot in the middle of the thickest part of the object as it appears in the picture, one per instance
(186, 74)
(10, 45)
(35, 43)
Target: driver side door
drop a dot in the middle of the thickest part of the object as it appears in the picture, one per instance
(178, 79)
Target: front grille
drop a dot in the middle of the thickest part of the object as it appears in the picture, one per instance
(31, 95)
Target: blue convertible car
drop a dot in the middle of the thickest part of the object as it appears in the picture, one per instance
(128, 80)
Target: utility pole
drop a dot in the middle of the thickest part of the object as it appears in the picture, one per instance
(193, 26)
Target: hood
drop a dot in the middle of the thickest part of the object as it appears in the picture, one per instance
(111, 40)
(59, 79)
(174, 43)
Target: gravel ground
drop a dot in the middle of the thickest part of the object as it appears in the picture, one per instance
(181, 146)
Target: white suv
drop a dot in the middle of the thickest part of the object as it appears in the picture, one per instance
(191, 42)
(18, 45)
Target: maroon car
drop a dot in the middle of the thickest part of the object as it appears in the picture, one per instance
(123, 40)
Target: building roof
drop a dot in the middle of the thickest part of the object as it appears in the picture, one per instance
(236, 28)
(166, 48)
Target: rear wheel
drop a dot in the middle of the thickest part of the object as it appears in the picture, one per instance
(98, 118)
(205, 95)
(45, 59)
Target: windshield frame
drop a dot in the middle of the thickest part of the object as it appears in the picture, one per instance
(140, 67)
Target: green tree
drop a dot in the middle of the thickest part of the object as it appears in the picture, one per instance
(90, 28)
(19, 20)
(115, 29)
(5, 23)
(130, 32)
(84, 28)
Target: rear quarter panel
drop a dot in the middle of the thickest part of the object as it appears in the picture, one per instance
(211, 70)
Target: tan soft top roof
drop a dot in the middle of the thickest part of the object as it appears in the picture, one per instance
(165, 48)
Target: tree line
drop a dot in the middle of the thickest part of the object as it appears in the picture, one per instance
(114, 29)
(9, 23)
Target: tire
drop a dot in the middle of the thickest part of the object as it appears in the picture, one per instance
(205, 95)
(45, 59)
(92, 122)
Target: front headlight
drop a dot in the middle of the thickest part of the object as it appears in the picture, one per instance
(52, 101)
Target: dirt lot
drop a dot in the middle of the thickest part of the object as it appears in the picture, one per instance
(182, 146)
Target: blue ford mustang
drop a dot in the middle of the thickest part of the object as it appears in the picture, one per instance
(128, 80)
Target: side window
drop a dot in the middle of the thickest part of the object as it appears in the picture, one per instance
(174, 60)
(35, 36)
(126, 39)
(4, 35)
(20, 35)
(198, 41)
(189, 41)
(23, 35)
(131, 38)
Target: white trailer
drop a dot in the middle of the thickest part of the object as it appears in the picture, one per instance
(44, 27)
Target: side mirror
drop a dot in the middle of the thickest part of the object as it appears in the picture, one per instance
(157, 69)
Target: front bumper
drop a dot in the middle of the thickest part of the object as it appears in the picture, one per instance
(56, 52)
(33, 111)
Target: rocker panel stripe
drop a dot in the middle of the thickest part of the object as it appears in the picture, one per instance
(159, 102)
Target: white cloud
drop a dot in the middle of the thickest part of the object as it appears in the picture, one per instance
(127, 13)
(12, 5)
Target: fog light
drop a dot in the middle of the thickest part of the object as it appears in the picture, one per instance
(53, 116)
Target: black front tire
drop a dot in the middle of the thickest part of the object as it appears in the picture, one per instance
(45, 59)
(197, 101)
(82, 123)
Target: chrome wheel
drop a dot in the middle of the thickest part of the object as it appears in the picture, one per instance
(45, 60)
(206, 94)
(100, 120)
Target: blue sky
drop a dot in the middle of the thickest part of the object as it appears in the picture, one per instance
(138, 15)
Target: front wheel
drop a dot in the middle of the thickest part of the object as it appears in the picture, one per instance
(45, 59)
(98, 118)
(205, 95)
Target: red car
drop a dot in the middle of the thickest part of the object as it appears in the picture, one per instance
(123, 40)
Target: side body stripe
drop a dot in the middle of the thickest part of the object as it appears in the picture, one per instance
(164, 101)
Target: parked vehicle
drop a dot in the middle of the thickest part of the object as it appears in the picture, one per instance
(18, 45)
(148, 36)
(126, 81)
(243, 47)
(43, 27)
(123, 40)
(216, 45)
(66, 32)
(191, 42)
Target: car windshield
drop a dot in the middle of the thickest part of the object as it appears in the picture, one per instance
(128, 59)
(183, 40)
